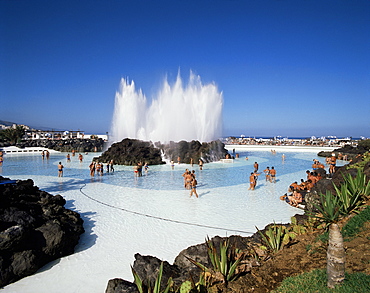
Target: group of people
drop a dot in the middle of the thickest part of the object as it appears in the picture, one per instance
(45, 154)
(200, 163)
(190, 182)
(138, 169)
(270, 175)
(80, 157)
(298, 190)
(98, 168)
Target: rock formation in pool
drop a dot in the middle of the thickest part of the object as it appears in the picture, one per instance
(35, 229)
(132, 151)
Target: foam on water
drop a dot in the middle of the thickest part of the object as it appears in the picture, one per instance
(151, 215)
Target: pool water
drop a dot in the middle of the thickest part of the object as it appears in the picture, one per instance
(152, 214)
(161, 177)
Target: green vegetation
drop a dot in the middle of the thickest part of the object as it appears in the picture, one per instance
(224, 262)
(190, 286)
(364, 143)
(350, 196)
(315, 281)
(351, 228)
(361, 164)
(296, 228)
(329, 208)
(12, 135)
(276, 237)
(352, 192)
(148, 288)
(356, 223)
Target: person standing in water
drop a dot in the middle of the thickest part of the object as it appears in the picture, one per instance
(256, 174)
(60, 169)
(92, 169)
(146, 167)
(194, 187)
(273, 175)
(251, 181)
(267, 174)
(255, 166)
(200, 164)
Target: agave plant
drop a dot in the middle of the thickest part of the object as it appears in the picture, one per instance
(352, 192)
(224, 262)
(329, 208)
(157, 284)
(276, 236)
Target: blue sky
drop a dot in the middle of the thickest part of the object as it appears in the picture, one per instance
(290, 68)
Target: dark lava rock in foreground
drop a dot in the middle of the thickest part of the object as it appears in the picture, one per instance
(35, 229)
(132, 151)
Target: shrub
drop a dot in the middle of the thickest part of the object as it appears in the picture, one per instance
(277, 236)
(224, 262)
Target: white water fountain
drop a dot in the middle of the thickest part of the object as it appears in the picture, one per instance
(178, 112)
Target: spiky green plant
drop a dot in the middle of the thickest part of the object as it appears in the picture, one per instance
(276, 236)
(224, 262)
(329, 208)
(157, 284)
(352, 192)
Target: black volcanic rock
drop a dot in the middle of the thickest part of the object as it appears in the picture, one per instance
(350, 151)
(182, 269)
(132, 151)
(66, 145)
(35, 229)
(207, 151)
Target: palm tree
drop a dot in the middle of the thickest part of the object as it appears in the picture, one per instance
(349, 198)
(335, 257)
(329, 213)
(13, 135)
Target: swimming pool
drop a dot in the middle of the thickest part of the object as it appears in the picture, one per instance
(153, 214)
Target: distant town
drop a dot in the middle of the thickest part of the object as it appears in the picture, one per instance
(33, 133)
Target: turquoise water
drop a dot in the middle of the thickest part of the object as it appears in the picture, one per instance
(161, 177)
